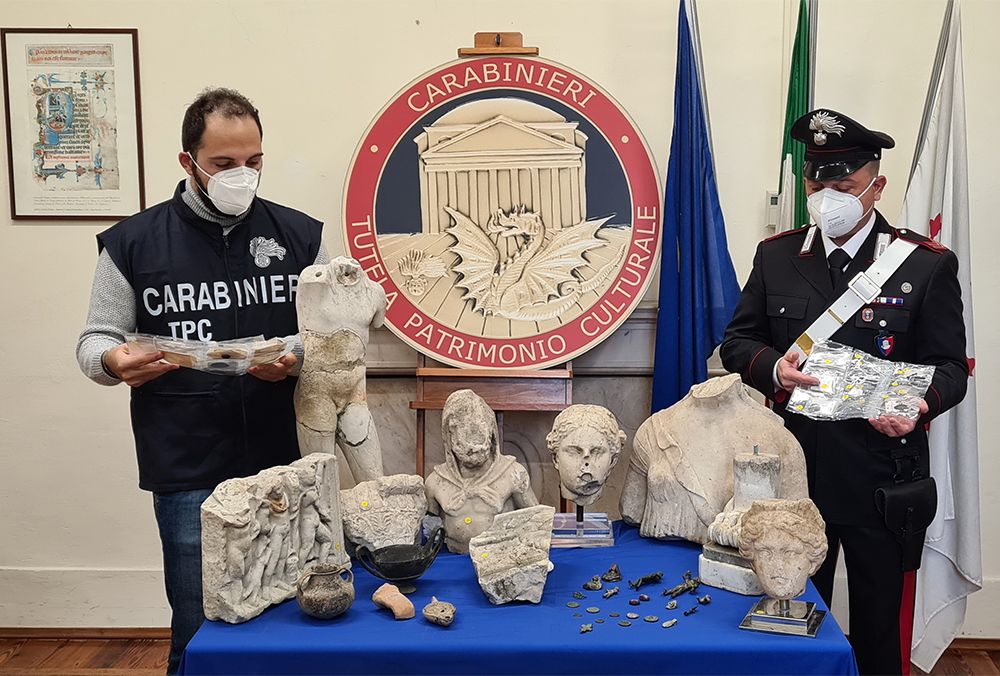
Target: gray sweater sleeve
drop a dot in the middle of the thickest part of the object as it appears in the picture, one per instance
(111, 316)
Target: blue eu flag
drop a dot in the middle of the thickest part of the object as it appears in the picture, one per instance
(698, 288)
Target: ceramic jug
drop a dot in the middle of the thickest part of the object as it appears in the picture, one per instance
(323, 592)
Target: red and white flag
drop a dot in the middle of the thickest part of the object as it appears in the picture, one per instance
(937, 204)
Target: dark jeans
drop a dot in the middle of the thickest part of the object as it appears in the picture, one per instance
(178, 516)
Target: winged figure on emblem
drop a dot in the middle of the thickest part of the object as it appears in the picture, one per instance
(541, 280)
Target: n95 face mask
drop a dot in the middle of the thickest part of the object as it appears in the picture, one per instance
(836, 213)
(231, 190)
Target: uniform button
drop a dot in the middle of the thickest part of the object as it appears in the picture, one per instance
(881, 322)
(903, 231)
(903, 442)
(781, 311)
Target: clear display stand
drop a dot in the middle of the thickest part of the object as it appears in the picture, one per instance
(582, 530)
(799, 618)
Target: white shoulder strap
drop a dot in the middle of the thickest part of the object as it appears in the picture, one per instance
(864, 288)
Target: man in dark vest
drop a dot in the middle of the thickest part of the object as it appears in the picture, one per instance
(215, 262)
(869, 478)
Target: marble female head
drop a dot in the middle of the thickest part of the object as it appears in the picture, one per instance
(585, 443)
(785, 541)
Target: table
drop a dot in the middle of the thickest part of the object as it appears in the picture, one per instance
(524, 638)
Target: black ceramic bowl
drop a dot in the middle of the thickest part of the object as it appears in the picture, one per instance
(401, 563)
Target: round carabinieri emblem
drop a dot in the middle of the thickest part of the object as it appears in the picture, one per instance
(510, 209)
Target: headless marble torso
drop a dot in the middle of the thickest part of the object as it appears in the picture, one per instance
(336, 304)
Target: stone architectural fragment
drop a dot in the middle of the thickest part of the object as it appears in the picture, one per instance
(680, 475)
(512, 557)
(756, 476)
(384, 511)
(260, 533)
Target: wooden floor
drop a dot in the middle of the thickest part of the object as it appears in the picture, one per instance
(74, 657)
(146, 657)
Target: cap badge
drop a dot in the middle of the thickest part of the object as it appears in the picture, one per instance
(824, 123)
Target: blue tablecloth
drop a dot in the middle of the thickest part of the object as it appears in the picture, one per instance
(524, 638)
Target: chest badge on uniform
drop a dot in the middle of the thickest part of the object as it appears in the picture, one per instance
(884, 343)
(262, 249)
(906, 287)
(867, 315)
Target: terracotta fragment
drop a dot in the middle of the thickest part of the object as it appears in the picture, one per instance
(388, 596)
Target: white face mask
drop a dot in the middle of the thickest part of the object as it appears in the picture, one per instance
(231, 190)
(836, 213)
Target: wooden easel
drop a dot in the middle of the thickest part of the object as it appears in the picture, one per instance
(503, 389)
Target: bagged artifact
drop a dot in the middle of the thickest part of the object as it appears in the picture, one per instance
(854, 384)
(227, 357)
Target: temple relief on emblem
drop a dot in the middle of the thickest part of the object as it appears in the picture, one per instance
(506, 247)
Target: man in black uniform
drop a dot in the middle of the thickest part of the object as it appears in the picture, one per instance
(917, 318)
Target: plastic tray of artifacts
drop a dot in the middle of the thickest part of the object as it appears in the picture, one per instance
(854, 384)
(228, 357)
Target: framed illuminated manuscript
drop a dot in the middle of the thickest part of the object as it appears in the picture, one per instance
(72, 114)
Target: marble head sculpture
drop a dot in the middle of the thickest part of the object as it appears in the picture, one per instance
(475, 482)
(337, 304)
(585, 443)
(785, 541)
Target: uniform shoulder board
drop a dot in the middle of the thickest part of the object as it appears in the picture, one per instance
(920, 240)
(786, 233)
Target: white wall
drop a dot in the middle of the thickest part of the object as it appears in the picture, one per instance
(78, 539)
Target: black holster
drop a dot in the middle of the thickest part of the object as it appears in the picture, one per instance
(908, 507)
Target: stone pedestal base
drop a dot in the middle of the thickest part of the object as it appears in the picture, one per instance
(723, 567)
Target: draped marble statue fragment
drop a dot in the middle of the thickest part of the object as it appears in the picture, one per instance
(785, 540)
(512, 557)
(260, 533)
(336, 304)
(475, 482)
(384, 511)
(680, 474)
(585, 443)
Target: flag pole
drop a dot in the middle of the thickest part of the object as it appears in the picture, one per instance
(932, 87)
(813, 29)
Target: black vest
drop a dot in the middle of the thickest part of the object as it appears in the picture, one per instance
(194, 429)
